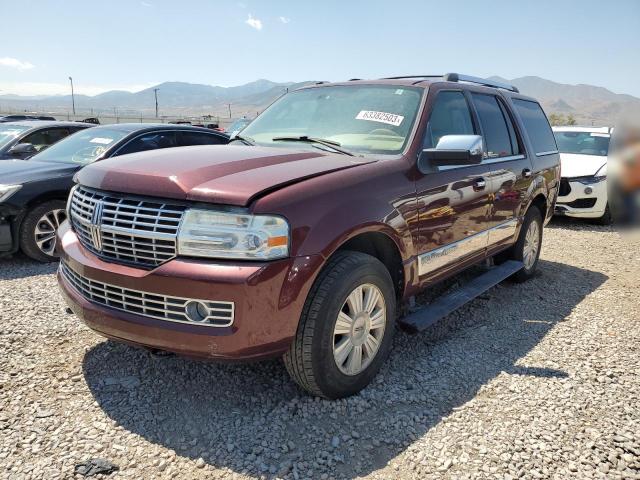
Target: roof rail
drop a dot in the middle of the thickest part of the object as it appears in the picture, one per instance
(455, 77)
(411, 76)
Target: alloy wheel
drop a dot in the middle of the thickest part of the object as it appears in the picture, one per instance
(46, 229)
(359, 329)
(531, 245)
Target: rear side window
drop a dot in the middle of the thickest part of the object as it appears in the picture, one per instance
(150, 141)
(200, 138)
(450, 115)
(499, 135)
(44, 138)
(537, 126)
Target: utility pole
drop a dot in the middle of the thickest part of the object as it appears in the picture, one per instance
(229, 105)
(73, 97)
(155, 92)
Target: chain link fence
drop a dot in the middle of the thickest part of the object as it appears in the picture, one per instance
(124, 117)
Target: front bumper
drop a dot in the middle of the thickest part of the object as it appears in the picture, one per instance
(581, 203)
(268, 298)
(10, 219)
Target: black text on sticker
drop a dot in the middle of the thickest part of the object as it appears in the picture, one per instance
(382, 117)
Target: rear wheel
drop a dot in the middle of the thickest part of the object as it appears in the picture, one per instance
(527, 248)
(38, 232)
(346, 327)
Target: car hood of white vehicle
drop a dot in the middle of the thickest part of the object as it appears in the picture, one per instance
(574, 165)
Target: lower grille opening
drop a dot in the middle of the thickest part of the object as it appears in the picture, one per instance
(580, 203)
(214, 313)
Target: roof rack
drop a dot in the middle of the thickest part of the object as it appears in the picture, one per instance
(456, 77)
(411, 76)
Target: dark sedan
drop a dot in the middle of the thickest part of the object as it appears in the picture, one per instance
(21, 140)
(33, 193)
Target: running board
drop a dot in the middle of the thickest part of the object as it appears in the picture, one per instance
(425, 317)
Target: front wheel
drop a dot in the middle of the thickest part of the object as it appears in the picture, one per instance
(39, 228)
(346, 327)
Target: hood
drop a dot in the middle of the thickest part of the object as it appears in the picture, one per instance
(24, 171)
(574, 165)
(227, 174)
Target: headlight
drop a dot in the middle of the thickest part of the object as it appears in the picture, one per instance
(219, 234)
(7, 190)
(590, 180)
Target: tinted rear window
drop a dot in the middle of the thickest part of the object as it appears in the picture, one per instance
(537, 126)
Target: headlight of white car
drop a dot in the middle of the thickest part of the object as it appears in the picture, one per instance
(7, 190)
(221, 234)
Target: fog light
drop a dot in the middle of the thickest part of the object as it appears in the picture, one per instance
(196, 311)
(588, 190)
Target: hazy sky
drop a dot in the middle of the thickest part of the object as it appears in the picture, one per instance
(133, 44)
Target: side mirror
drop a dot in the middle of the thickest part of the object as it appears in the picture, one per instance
(23, 150)
(452, 150)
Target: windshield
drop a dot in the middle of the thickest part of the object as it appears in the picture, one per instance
(82, 147)
(368, 119)
(236, 126)
(9, 132)
(583, 143)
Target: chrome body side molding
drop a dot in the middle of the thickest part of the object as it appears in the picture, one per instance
(431, 261)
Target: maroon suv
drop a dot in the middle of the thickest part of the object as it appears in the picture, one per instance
(303, 236)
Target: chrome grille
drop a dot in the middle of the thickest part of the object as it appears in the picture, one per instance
(125, 229)
(175, 309)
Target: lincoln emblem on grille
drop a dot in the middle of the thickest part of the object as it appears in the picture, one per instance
(94, 228)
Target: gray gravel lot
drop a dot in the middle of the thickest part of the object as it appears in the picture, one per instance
(536, 380)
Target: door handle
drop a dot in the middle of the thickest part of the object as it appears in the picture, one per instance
(526, 173)
(479, 184)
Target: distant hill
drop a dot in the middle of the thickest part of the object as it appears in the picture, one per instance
(174, 98)
(587, 103)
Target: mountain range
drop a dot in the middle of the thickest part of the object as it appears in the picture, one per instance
(586, 103)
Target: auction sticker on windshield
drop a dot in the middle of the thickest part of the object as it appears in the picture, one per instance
(102, 141)
(381, 117)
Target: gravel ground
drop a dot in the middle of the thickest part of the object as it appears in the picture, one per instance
(537, 380)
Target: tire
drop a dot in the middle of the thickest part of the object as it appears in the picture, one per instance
(39, 228)
(519, 250)
(312, 359)
(605, 219)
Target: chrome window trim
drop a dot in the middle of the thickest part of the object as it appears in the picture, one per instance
(106, 292)
(550, 152)
(440, 257)
(490, 161)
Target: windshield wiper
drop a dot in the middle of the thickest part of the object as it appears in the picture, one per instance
(245, 140)
(321, 141)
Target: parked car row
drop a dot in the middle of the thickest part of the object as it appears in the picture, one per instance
(302, 237)
(33, 193)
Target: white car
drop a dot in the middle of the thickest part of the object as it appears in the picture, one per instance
(583, 160)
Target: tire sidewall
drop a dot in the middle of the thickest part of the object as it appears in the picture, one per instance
(327, 374)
